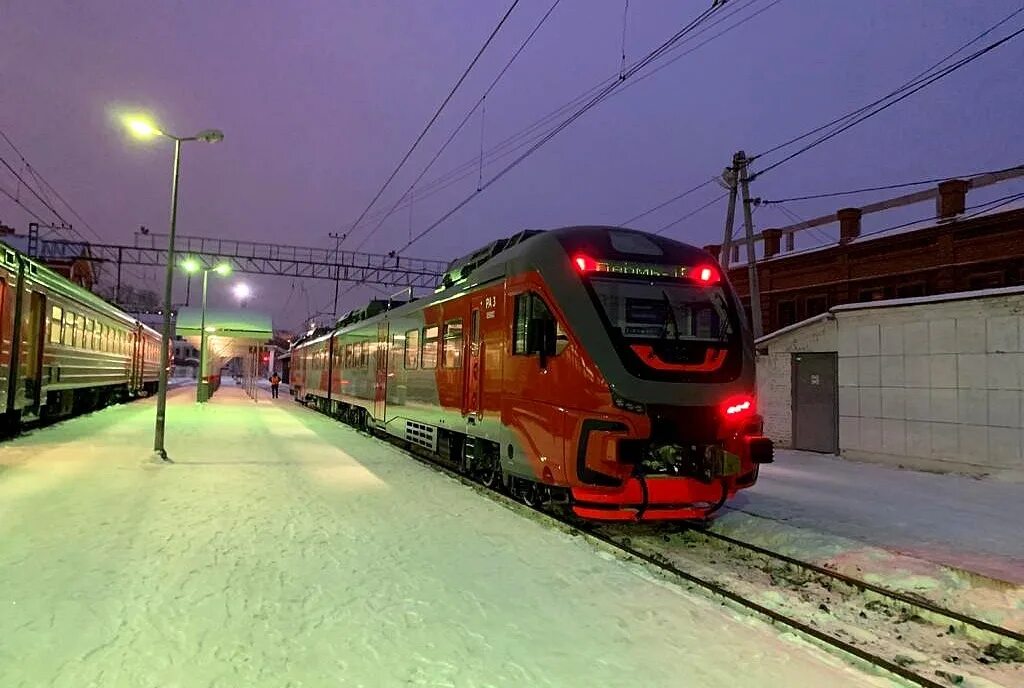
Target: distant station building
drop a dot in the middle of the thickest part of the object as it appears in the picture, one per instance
(961, 249)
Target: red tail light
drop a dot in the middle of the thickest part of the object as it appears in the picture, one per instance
(738, 407)
(585, 263)
(707, 274)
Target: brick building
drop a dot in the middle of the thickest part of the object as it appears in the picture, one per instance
(958, 251)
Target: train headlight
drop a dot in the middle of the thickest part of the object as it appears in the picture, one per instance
(626, 405)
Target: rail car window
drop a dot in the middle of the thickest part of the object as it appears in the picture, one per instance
(87, 333)
(664, 310)
(68, 330)
(56, 318)
(531, 306)
(429, 357)
(412, 349)
(451, 346)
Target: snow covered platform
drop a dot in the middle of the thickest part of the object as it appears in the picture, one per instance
(953, 520)
(283, 549)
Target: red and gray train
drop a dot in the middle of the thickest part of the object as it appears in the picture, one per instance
(64, 350)
(602, 367)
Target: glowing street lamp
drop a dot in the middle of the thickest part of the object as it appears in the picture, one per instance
(143, 127)
(192, 266)
(242, 293)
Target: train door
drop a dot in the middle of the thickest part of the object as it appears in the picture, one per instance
(35, 337)
(380, 387)
(135, 346)
(473, 375)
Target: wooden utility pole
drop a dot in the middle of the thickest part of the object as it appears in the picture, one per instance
(740, 162)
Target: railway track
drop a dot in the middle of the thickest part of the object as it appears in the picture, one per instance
(1006, 647)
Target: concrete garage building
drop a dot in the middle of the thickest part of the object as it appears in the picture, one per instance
(935, 382)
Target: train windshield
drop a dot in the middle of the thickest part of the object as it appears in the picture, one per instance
(665, 310)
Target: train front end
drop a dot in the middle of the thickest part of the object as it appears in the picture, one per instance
(678, 432)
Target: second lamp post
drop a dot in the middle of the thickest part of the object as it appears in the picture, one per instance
(192, 265)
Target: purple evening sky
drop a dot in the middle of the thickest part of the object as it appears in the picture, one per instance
(319, 100)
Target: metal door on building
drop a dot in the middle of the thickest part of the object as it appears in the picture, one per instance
(815, 402)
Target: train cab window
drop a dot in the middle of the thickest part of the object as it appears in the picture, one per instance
(412, 349)
(56, 321)
(530, 307)
(429, 357)
(451, 344)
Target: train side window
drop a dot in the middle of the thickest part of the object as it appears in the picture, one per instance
(56, 321)
(87, 334)
(529, 307)
(451, 345)
(68, 331)
(412, 349)
(429, 357)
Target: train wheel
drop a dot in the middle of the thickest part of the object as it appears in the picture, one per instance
(490, 475)
(532, 494)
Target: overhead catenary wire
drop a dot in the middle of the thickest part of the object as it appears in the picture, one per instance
(886, 187)
(45, 183)
(437, 113)
(904, 85)
(24, 207)
(881, 104)
(601, 95)
(480, 103)
(979, 209)
(527, 136)
(669, 201)
(693, 212)
(32, 190)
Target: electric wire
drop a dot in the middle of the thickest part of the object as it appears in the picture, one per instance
(437, 113)
(907, 84)
(893, 98)
(526, 136)
(887, 187)
(479, 104)
(690, 214)
(669, 201)
(24, 207)
(601, 95)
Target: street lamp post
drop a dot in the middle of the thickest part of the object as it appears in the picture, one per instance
(192, 266)
(143, 128)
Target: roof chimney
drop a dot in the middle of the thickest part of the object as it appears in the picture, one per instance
(952, 198)
(772, 242)
(849, 224)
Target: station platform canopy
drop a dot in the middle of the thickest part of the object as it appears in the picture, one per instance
(231, 324)
(230, 335)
